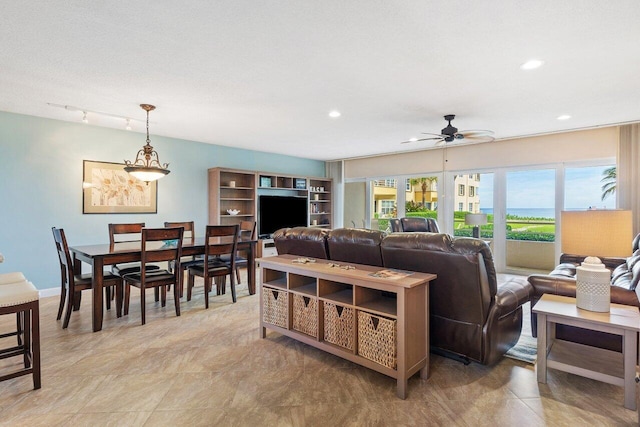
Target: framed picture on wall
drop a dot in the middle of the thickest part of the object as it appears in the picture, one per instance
(108, 189)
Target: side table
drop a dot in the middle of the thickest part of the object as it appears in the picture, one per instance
(590, 362)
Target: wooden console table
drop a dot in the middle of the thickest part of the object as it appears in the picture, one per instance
(379, 323)
(590, 362)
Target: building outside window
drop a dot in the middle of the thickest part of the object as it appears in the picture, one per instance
(472, 191)
(471, 207)
(408, 184)
(460, 206)
(386, 207)
(461, 190)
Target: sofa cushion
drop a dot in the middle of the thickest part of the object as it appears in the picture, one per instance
(355, 245)
(302, 241)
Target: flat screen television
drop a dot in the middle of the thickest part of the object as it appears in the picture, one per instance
(276, 212)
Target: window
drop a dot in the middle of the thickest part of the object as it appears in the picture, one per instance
(386, 207)
(471, 207)
(472, 191)
(408, 184)
(460, 206)
(461, 190)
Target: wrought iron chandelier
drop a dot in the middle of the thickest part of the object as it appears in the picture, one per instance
(147, 166)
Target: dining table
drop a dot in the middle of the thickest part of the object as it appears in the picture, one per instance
(101, 255)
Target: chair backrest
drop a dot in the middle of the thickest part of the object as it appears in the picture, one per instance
(433, 225)
(128, 229)
(64, 257)
(414, 224)
(221, 240)
(171, 250)
(248, 229)
(396, 225)
(188, 229)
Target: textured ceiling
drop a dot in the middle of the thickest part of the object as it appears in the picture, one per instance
(264, 75)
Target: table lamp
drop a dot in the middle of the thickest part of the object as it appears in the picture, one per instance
(595, 233)
(476, 220)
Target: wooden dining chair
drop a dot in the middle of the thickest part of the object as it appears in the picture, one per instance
(153, 252)
(73, 284)
(247, 230)
(132, 233)
(219, 240)
(186, 261)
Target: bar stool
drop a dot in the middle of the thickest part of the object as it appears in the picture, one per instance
(21, 298)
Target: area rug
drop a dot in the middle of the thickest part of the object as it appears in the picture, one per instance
(524, 350)
(526, 347)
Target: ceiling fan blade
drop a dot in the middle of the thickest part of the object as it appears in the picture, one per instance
(474, 133)
(479, 138)
(421, 139)
(439, 135)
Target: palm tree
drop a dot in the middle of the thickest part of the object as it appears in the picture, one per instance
(425, 182)
(609, 182)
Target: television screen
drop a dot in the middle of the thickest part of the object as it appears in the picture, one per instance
(276, 212)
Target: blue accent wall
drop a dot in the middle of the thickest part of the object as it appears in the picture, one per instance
(41, 185)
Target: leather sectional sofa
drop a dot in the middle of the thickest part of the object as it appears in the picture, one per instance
(562, 281)
(471, 315)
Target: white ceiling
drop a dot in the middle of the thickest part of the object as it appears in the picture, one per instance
(264, 75)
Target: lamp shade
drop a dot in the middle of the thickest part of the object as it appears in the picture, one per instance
(475, 219)
(601, 233)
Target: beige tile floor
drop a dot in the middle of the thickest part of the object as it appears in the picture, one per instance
(210, 368)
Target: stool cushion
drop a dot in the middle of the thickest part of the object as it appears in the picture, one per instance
(11, 278)
(18, 293)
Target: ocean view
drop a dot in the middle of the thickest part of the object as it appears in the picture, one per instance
(526, 212)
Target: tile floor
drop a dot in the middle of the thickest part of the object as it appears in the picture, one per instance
(210, 368)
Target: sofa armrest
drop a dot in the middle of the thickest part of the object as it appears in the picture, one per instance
(512, 295)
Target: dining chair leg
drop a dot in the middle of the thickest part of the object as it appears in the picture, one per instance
(71, 296)
(163, 294)
(127, 296)
(176, 299)
(107, 296)
(189, 286)
(233, 287)
(207, 288)
(63, 297)
(142, 303)
(156, 294)
(77, 300)
(238, 281)
(119, 299)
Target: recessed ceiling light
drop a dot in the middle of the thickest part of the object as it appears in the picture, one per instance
(334, 114)
(564, 117)
(532, 64)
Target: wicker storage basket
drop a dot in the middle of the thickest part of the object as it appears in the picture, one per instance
(338, 325)
(305, 315)
(274, 307)
(377, 339)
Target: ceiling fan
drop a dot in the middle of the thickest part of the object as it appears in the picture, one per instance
(451, 134)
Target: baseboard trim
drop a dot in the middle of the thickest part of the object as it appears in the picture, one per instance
(49, 292)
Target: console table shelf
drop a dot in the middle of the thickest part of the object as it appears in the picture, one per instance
(396, 309)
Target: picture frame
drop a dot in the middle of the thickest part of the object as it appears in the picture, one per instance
(108, 189)
(301, 183)
(265, 181)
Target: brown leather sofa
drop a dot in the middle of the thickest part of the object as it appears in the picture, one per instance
(470, 315)
(562, 281)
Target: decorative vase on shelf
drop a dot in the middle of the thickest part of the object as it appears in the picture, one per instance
(233, 212)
